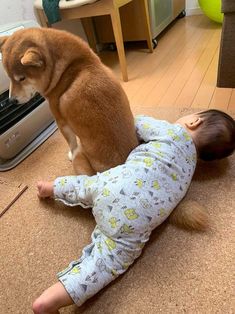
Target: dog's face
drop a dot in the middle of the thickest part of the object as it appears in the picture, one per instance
(24, 61)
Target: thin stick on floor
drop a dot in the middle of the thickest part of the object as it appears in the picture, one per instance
(13, 201)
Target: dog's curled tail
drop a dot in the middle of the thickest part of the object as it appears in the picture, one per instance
(190, 215)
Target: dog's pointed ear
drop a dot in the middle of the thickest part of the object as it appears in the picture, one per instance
(32, 57)
(3, 39)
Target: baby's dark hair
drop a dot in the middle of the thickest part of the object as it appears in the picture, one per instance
(216, 139)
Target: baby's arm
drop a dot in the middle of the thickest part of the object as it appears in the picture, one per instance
(71, 190)
(148, 128)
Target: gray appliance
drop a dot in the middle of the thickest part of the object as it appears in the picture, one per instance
(22, 127)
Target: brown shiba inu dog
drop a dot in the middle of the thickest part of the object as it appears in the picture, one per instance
(85, 98)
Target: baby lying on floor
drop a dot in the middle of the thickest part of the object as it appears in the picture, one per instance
(131, 200)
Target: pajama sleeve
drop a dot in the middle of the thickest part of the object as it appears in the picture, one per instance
(149, 129)
(76, 190)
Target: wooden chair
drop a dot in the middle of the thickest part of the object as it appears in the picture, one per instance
(72, 10)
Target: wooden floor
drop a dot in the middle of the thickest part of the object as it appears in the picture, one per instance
(182, 70)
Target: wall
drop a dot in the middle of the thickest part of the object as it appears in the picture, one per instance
(11, 11)
(192, 7)
(18, 10)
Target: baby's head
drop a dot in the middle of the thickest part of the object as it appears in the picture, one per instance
(213, 133)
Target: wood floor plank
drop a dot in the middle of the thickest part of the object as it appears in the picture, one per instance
(181, 72)
(231, 105)
(221, 98)
(158, 83)
(184, 74)
(151, 63)
(206, 90)
(173, 59)
(192, 85)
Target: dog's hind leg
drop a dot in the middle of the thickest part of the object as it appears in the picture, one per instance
(81, 164)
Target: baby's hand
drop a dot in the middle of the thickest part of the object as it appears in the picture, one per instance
(45, 189)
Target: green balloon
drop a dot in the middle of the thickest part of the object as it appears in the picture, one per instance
(212, 9)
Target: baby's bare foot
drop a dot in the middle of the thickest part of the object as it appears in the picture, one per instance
(45, 189)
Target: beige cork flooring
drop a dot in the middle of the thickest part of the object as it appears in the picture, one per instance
(178, 272)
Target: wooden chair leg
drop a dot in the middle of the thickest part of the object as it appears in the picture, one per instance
(146, 23)
(117, 30)
(88, 27)
(41, 18)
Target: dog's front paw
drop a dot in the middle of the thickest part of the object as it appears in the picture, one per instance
(70, 155)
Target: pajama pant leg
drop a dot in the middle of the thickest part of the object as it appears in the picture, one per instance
(98, 266)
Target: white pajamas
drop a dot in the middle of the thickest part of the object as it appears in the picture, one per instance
(128, 202)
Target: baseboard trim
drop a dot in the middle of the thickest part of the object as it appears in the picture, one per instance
(193, 11)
